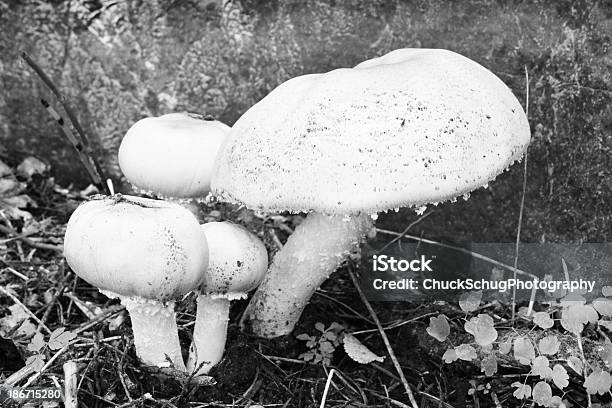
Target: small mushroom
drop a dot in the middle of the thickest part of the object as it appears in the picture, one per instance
(412, 127)
(173, 154)
(237, 263)
(148, 253)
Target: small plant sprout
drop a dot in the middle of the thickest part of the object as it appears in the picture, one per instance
(413, 127)
(237, 263)
(173, 154)
(148, 253)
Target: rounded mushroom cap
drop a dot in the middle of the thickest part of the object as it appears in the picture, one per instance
(238, 260)
(173, 154)
(415, 126)
(135, 246)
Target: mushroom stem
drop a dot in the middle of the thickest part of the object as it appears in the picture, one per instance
(209, 333)
(316, 249)
(155, 332)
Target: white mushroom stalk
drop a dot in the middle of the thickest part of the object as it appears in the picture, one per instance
(148, 253)
(317, 247)
(412, 127)
(237, 263)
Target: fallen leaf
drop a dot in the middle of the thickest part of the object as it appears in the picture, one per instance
(358, 352)
(438, 328)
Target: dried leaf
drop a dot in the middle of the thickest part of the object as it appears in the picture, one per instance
(489, 365)
(37, 343)
(438, 328)
(358, 352)
(505, 347)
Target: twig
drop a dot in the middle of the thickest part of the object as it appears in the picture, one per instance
(70, 384)
(25, 308)
(463, 250)
(48, 364)
(71, 116)
(14, 235)
(405, 231)
(326, 390)
(76, 143)
(383, 335)
(520, 220)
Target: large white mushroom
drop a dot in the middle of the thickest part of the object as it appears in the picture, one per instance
(148, 253)
(237, 263)
(413, 127)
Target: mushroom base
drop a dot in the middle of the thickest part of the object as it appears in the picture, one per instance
(155, 332)
(209, 334)
(317, 248)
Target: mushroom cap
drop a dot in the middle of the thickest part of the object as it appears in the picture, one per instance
(238, 260)
(173, 154)
(135, 246)
(415, 126)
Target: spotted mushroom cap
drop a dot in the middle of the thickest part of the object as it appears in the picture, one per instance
(412, 127)
(136, 247)
(172, 155)
(238, 260)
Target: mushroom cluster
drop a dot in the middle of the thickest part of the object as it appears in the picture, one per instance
(413, 127)
(150, 253)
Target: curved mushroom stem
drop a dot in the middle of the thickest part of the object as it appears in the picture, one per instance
(155, 332)
(316, 249)
(209, 334)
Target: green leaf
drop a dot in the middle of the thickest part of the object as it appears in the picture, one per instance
(575, 364)
(481, 327)
(560, 376)
(449, 356)
(606, 354)
(542, 394)
(37, 343)
(320, 327)
(465, 352)
(603, 306)
(598, 382)
(606, 291)
(468, 302)
(549, 345)
(522, 390)
(304, 337)
(505, 347)
(542, 368)
(523, 350)
(438, 328)
(36, 362)
(574, 317)
(60, 338)
(543, 320)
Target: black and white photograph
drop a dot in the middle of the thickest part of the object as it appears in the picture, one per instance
(305, 203)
